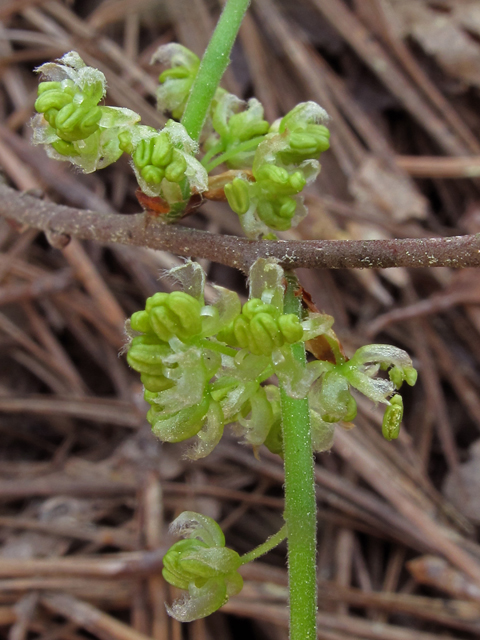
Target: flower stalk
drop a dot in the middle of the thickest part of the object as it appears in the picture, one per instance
(214, 62)
(300, 503)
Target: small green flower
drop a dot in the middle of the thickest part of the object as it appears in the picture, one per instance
(201, 565)
(392, 418)
(163, 161)
(70, 123)
(306, 138)
(235, 123)
(175, 82)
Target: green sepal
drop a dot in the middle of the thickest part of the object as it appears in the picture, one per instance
(178, 426)
(155, 383)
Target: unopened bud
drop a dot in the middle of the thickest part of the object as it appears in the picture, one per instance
(237, 194)
(175, 172)
(162, 153)
(143, 153)
(152, 175)
(392, 418)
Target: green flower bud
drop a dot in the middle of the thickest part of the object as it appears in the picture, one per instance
(147, 358)
(303, 141)
(75, 122)
(392, 418)
(143, 153)
(271, 172)
(297, 181)
(64, 148)
(243, 127)
(50, 116)
(268, 215)
(177, 73)
(48, 86)
(265, 333)
(52, 100)
(237, 194)
(139, 322)
(176, 314)
(290, 327)
(396, 376)
(411, 376)
(172, 571)
(125, 142)
(175, 172)
(151, 174)
(155, 383)
(241, 331)
(162, 153)
(255, 305)
(201, 565)
(287, 208)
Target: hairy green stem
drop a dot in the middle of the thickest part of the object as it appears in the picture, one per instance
(214, 62)
(300, 504)
(269, 544)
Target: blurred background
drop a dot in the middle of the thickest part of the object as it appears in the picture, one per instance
(86, 492)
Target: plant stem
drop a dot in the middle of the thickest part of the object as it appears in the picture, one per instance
(300, 504)
(269, 544)
(248, 145)
(213, 152)
(214, 62)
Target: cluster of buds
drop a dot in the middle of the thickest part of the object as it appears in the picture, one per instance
(284, 163)
(205, 366)
(202, 566)
(70, 123)
(281, 159)
(238, 129)
(164, 162)
(260, 328)
(74, 127)
(176, 81)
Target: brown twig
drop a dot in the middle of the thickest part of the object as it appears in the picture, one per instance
(140, 230)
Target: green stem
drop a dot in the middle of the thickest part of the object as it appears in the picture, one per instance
(269, 544)
(300, 504)
(214, 62)
(213, 152)
(217, 346)
(231, 153)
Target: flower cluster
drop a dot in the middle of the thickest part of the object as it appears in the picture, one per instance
(281, 159)
(285, 161)
(203, 366)
(70, 122)
(73, 126)
(272, 163)
(201, 565)
(206, 366)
